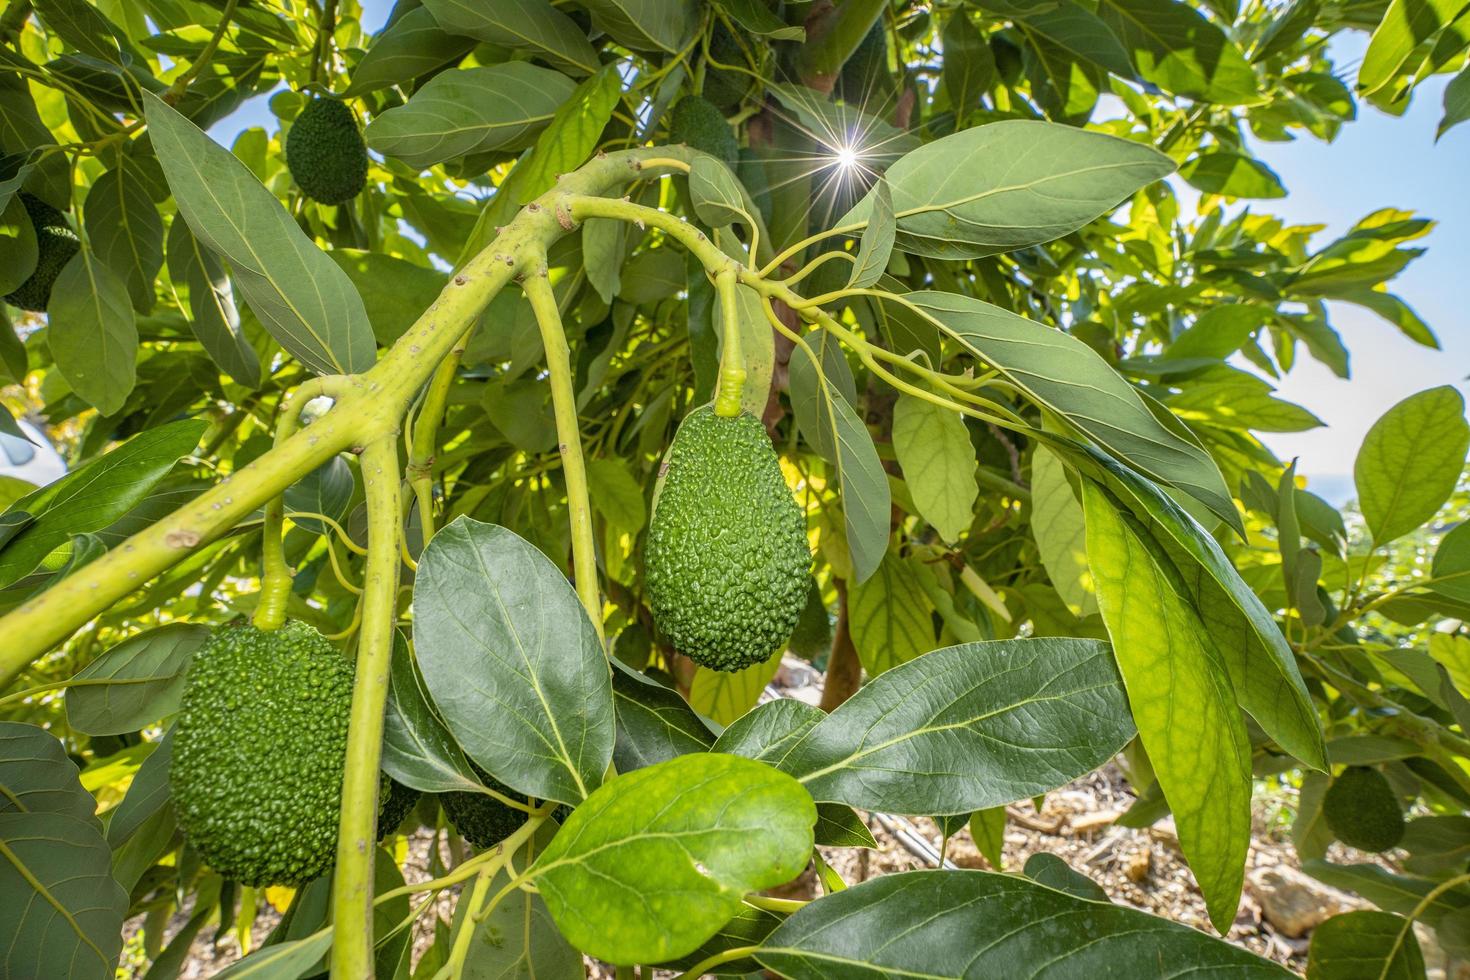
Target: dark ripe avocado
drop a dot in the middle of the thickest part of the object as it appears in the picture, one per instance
(483, 820)
(395, 802)
(258, 753)
(1363, 811)
(325, 152)
(56, 243)
(699, 124)
(727, 559)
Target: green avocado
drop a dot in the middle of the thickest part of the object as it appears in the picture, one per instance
(325, 152)
(699, 124)
(865, 78)
(395, 803)
(722, 86)
(258, 753)
(483, 820)
(812, 637)
(727, 560)
(1363, 811)
(56, 243)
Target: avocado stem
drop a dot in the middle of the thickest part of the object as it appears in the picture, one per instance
(732, 359)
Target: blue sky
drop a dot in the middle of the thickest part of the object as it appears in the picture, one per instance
(1377, 161)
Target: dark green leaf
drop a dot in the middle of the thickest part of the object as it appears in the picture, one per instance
(654, 723)
(512, 662)
(1049, 870)
(411, 46)
(17, 247)
(890, 616)
(91, 332)
(301, 297)
(125, 230)
(1410, 462)
(1451, 568)
(1232, 174)
(756, 17)
(976, 924)
(656, 861)
(1365, 943)
(135, 683)
(1456, 103)
(969, 65)
(1389, 891)
(418, 750)
(1180, 51)
(92, 497)
(62, 915)
(968, 727)
(395, 291)
(213, 316)
(645, 25)
(37, 777)
(528, 25)
(148, 793)
(470, 110)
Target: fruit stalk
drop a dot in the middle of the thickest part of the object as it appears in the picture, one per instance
(732, 359)
(352, 884)
(568, 432)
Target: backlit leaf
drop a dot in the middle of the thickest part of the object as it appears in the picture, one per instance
(933, 447)
(527, 25)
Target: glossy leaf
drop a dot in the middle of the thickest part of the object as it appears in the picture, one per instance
(212, 313)
(826, 417)
(1233, 175)
(1010, 184)
(512, 662)
(470, 110)
(93, 496)
(1181, 697)
(1410, 461)
(656, 861)
(933, 447)
(299, 295)
(92, 333)
(654, 723)
(36, 776)
(1365, 943)
(135, 683)
(890, 616)
(968, 727)
(63, 913)
(1070, 378)
(1406, 24)
(976, 924)
(418, 750)
(125, 230)
(527, 25)
(645, 25)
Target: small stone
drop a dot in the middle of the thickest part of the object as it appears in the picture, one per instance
(1292, 902)
(1137, 865)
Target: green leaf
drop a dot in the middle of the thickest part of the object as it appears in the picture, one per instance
(148, 794)
(213, 316)
(604, 242)
(36, 776)
(17, 246)
(1232, 174)
(968, 727)
(1391, 892)
(1263, 670)
(326, 490)
(125, 230)
(135, 683)
(92, 333)
(933, 447)
(656, 861)
(418, 750)
(413, 45)
(976, 924)
(1452, 563)
(288, 959)
(645, 25)
(1365, 943)
(1310, 834)
(1047, 869)
(84, 28)
(717, 195)
(1219, 331)
(63, 912)
(833, 126)
(1406, 24)
(1062, 373)
(988, 831)
(1069, 27)
(1395, 311)
(877, 241)
(616, 494)
(395, 291)
(890, 616)
(526, 25)
(969, 64)
(819, 383)
(726, 695)
(470, 110)
(512, 662)
(653, 275)
(1009, 185)
(1181, 52)
(93, 496)
(300, 296)
(1456, 103)
(1056, 523)
(756, 17)
(1410, 462)
(1239, 400)
(654, 723)
(1181, 696)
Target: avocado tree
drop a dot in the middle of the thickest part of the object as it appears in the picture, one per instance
(464, 450)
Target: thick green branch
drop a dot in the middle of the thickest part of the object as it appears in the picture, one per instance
(352, 881)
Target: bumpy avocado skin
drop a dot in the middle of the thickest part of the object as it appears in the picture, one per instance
(698, 123)
(1363, 811)
(395, 803)
(727, 558)
(56, 243)
(259, 750)
(325, 152)
(483, 820)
